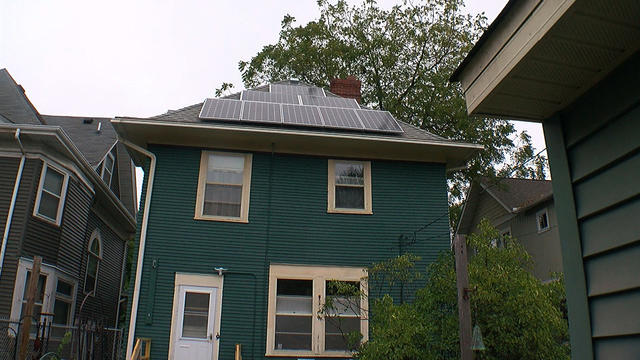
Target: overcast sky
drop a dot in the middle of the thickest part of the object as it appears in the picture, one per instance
(142, 57)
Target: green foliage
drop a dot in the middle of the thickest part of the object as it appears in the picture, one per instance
(66, 339)
(404, 57)
(520, 317)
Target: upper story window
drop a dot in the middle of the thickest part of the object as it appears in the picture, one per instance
(94, 257)
(223, 186)
(542, 220)
(314, 310)
(349, 187)
(106, 173)
(51, 193)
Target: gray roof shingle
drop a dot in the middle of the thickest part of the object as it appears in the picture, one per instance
(518, 194)
(14, 104)
(92, 144)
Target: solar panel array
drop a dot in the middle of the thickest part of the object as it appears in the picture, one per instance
(299, 106)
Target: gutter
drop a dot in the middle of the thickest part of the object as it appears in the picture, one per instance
(141, 247)
(14, 197)
(47, 130)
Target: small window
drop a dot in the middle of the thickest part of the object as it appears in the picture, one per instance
(542, 219)
(223, 187)
(51, 194)
(312, 313)
(62, 307)
(107, 168)
(94, 257)
(195, 321)
(349, 187)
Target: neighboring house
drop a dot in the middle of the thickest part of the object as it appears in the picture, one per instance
(67, 194)
(254, 203)
(522, 209)
(573, 66)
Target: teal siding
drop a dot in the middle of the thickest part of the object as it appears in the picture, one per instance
(289, 214)
(602, 148)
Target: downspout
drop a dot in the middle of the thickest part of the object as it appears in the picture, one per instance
(143, 240)
(14, 197)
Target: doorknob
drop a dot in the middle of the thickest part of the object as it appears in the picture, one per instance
(217, 336)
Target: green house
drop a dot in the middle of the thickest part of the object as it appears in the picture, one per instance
(574, 66)
(253, 205)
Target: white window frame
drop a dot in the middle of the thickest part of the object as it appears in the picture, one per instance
(538, 214)
(104, 168)
(246, 188)
(331, 188)
(95, 236)
(53, 274)
(63, 194)
(319, 275)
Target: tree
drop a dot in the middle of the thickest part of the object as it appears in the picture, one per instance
(404, 57)
(520, 317)
(524, 163)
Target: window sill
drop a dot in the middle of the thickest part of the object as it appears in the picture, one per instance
(544, 230)
(307, 354)
(350, 211)
(222, 219)
(46, 219)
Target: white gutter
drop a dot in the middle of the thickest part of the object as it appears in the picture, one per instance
(141, 247)
(14, 197)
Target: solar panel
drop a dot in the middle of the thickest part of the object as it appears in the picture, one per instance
(221, 109)
(264, 96)
(375, 120)
(261, 112)
(340, 118)
(337, 102)
(296, 90)
(301, 115)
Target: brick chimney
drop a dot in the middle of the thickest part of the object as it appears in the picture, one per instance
(348, 88)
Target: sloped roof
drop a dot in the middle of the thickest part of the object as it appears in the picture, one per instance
(190, 114)
(518, 194)
(14, 104)
(83, 131)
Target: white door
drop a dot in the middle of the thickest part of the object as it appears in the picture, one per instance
(195, 332)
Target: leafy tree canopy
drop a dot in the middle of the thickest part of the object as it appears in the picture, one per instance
(404, 57)
(520, 317)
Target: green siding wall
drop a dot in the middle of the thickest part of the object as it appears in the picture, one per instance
(597, 137)
(290, 215)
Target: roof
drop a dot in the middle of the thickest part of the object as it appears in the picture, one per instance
(14, 104)
(83, 131)
(518, 194)
(514, 195)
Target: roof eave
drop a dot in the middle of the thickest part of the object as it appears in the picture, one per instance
(143, 132)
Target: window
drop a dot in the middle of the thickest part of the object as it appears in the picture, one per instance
(349, 187)
(311, 314)
(107, 168)
(51, 193)
(63, 303)
(55, 296)
(94, 257)
(223, 187)
(542, 219)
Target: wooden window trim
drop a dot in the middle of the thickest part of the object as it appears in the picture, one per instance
(319, 275)
(331, 189)
(246, 188)
(63, 194)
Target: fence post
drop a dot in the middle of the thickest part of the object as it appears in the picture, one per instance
(32, 289)
(464, 307)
